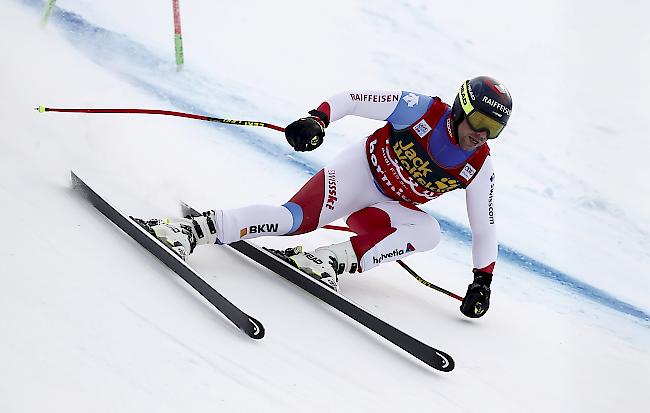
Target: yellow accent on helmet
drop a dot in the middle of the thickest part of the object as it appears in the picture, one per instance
(465, 100)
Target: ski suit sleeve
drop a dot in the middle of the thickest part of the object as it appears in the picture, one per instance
(401, 108)
(479, 196)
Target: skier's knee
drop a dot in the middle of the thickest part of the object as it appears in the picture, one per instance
(302, 222)
(428, 234)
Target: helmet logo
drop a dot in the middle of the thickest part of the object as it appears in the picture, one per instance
(464, 99)
(496, 105)
(502, 89)
(471, 92)
(499, 88)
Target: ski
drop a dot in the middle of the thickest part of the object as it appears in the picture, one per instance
(244, 322)
(435, 358)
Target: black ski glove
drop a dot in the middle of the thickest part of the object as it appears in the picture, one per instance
(477, 298)
(306, 134)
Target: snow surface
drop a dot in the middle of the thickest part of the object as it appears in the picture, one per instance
(90, 322)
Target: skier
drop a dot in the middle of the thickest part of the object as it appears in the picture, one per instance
(425, 149)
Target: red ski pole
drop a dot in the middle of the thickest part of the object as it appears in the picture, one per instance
(42, 109)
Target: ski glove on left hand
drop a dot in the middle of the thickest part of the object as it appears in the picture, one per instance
(306, 134)
(477, 299)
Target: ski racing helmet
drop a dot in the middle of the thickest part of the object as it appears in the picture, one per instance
(485, 103)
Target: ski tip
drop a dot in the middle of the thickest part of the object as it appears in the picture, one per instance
(443, 361)
(77, 183)
(255, 329)
(187, 210)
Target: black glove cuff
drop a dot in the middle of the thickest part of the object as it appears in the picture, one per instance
(320, 115)
(482, 277)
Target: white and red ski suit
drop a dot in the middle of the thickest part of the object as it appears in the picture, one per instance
(377, 183)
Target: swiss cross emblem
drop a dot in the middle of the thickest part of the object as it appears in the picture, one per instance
(422, 128)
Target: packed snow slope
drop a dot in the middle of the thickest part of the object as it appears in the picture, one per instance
(90, 321)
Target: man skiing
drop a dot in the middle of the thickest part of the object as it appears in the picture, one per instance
(425, 149)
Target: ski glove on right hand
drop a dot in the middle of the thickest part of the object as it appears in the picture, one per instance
(477, 299)
(306, 134)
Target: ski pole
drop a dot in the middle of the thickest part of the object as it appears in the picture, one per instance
(42, 109)
(427, 283)
(406, 267)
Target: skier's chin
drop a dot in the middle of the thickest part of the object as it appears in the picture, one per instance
(465, 144)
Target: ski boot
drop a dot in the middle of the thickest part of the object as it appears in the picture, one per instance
(324, 264)
(182, 235)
